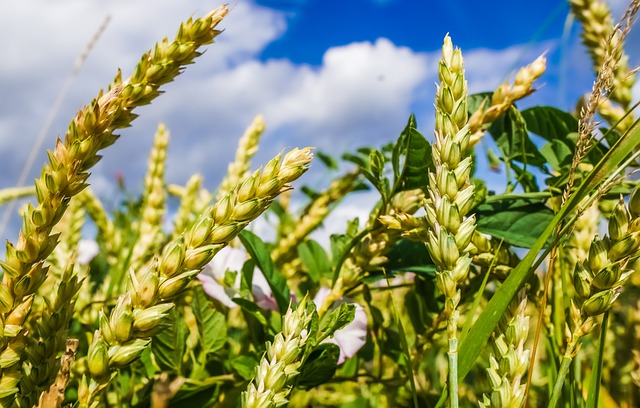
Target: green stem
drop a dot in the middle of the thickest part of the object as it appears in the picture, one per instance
(557, 388)
(453, 372)
(596, 372)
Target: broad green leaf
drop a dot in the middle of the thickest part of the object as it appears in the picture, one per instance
(527, 180)
(168, 345)
(319, 366)
(244, 366)
(519, 222)
(315, 259)
(558, 155)
(411, 159)
(336, 319)
(510, 134)
(260, 254)
(481, 330)
(560, 128)
(550, 123)
(212, 326)
(407, 254)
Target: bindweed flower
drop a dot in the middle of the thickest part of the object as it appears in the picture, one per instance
(87, 250)
(353, 336)
(232, 259)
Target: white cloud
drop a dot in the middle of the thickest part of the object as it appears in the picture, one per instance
(361, 94)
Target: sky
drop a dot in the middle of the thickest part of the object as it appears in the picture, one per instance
(335, 75)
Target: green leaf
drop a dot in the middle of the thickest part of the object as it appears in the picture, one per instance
(319, 366)
(474, 101)
(168, 345)
(336, 319)
(244, 366)
(561, 129)
(519, 222)
(558, 155)
(376, 159)
(411, 159)
(260, 254)
(481, 330)
(251, 308)
(510, 134)
(371, 165)
(315, 259)
(212, 326)
(327, 160)
(550, 123)
(407, 254)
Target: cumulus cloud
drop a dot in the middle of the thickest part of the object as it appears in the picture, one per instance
(361, 94)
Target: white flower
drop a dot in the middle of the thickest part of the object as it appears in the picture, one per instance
(87, 250)
(232, 259)
(353, 336)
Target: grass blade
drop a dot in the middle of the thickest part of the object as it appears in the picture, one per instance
(487, 321)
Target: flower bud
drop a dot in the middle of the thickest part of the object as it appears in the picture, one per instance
(456, 64)
(270, 171)
(450, 252)
(606, 278)
(464, 200)
(121, 319)
(459, 116)
(226, 232)
(120, 356)
(169, 288)
(9, 383)
(623, 248)
(461, 269)
(446, 101)
(221, 211)
(446, 284)
(151, 318)
(199, 232)
(465, 233)
(270, 187)
(98, 357)
(197, 258)
(634, 203)
(600, 302)
(462, 172)
(294, 164)
(20, 313)
(105, 328)
(598, 256)
(145, 289)
(451, 152)
(11, 355)
(448, 215)
(447, 50)
(248, 210)
(619, 222)
(582, 281)
(247, 189)
(173, 257)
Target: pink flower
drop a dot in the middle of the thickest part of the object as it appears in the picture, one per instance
(232, 259)
(353, 336)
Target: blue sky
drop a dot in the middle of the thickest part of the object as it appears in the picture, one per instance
(331, 74)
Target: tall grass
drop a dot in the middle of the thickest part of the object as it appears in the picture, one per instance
(447, 294)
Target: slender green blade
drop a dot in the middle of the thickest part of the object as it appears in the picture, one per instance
(479, 333)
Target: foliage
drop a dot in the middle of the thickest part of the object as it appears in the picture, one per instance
(445, 292)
